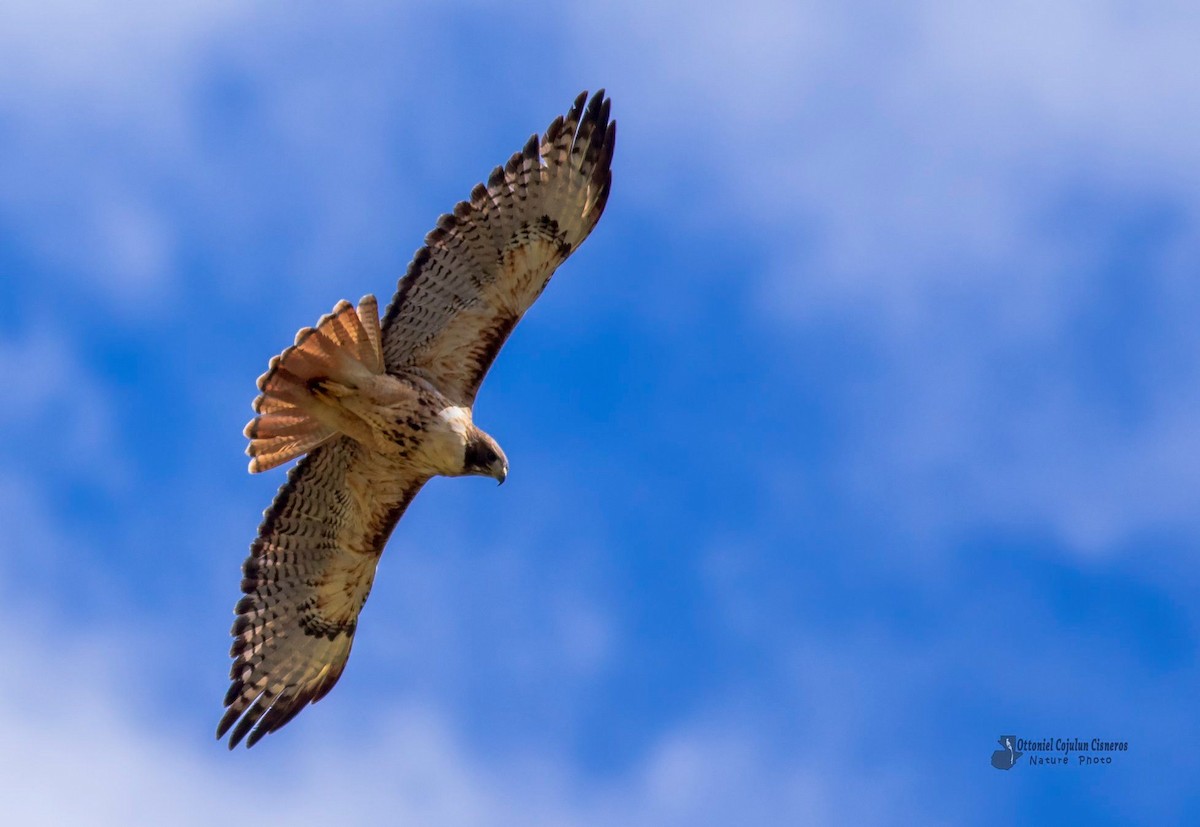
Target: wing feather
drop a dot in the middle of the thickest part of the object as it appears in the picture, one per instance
(486, 262)
(306, 580)
(483, 265)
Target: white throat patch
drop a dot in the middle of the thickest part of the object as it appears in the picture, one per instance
(457, 418)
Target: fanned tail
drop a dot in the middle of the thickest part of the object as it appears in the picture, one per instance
(332, 359)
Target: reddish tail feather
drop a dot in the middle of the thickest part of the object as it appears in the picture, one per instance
(332, 358)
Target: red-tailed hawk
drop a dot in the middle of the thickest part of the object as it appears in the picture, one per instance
(379, 409)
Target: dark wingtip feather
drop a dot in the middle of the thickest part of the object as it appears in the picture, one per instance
(231, 715)
(247, 722)
(594, 106)
(256, 736)
(603, 168)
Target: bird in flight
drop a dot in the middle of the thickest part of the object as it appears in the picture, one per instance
(377, 409)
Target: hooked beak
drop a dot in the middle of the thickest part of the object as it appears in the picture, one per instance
(500, 472)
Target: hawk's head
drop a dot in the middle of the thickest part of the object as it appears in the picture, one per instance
(484, 457)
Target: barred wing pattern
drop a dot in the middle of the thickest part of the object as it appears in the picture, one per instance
(487, 261)
(311, 568)
(307, 577)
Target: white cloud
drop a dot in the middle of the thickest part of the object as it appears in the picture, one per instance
(95, 95)
(891, 150)
(911, 173)
(99, 53)
(88, 746)
(57, 413)
(943, 145)
(1049, 461)
(121, 165)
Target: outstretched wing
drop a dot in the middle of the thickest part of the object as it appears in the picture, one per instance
(307, 577)
(486, 262)
(310, 569)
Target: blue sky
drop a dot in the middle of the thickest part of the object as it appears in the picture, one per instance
(861, 432)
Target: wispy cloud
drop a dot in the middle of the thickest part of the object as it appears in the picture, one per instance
(953, 188)
(94, 99)
(875, 283)
(60, 418)
(86, 728)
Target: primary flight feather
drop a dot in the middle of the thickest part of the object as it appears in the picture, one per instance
(376, 410)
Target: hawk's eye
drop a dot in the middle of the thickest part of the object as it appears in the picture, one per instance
(479, 454)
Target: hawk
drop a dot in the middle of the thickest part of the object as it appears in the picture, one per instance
(377, 409)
